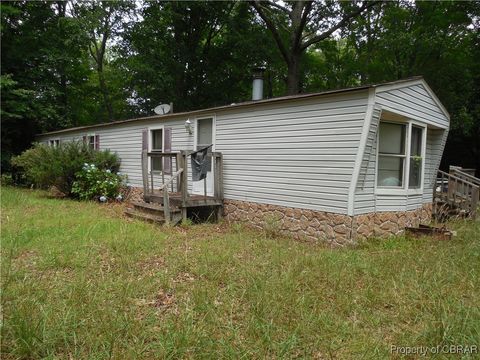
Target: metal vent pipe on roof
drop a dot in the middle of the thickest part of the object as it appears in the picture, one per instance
(257, 86)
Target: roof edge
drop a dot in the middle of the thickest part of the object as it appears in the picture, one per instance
(238, 105)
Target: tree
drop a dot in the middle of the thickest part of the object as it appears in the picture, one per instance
(297, 25)
(103, 21)
(194, 54)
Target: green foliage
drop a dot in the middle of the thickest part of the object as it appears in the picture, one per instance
(6, 180)
(17, 128)
(96, 183)
(46, 166)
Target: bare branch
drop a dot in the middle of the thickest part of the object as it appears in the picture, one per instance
(303, 21)
(278, 6)
(339, 25)
(212, 33)
(271, 26)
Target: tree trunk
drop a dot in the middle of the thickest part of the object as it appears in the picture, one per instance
(293, 75)
(106, 97)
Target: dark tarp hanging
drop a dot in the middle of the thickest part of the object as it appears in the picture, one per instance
(200, 163)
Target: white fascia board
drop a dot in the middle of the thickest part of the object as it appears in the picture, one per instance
(367, 123)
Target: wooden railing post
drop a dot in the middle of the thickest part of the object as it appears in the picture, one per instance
(180, 165)
(171, 167)
(451, 187)
(145, 172)
(184, 184)
(166, 205)
(220, 176)
(215, 175)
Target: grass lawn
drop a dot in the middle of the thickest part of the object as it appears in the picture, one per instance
(81, 282)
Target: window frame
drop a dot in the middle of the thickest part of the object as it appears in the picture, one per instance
(195, 137)
(404, 189)
(87, 138)
(403, 156)
(151, 129)
(54, 142)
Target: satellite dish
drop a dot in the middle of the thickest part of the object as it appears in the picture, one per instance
(162, 109)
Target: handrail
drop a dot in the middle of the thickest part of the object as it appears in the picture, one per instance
(470, 178)
(161, 154)
(166, 183)
(456, 178)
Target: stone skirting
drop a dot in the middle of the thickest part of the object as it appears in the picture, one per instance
(336, 229)
(135, 194)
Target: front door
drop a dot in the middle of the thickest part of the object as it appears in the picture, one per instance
(204, 137)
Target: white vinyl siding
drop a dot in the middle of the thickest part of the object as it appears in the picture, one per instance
(436, 139)
(297, 155)
(414, 102)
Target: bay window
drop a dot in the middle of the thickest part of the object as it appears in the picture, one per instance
(400, 155)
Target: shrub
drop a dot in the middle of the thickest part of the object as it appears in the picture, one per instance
(6, 180)
(95, 183)
(46, 166)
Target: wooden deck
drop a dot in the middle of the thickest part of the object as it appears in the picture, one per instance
(169, 186)
(193, 200)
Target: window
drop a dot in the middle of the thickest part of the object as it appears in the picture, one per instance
(93, 141)
(400, 161)
(157, 145)
(415, 173)
(54, 143)
(391, 154)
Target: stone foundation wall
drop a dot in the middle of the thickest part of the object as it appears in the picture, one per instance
(388, 223)
(135, 194)
(336, 229)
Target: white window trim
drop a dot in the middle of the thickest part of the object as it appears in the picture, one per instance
(214, 130)
(404, 190)
(89, 135)
(150, 143)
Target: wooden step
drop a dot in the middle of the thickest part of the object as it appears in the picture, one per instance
(154, 209)
(144, 216)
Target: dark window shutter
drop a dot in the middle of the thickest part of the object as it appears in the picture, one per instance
(97, 142)
(145, 139)
(167, 147)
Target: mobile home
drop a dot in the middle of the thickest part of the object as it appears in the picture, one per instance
(336, 166)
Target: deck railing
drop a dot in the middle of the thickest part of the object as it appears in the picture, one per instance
(173, 178)
(456, 192)
(462, 174)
